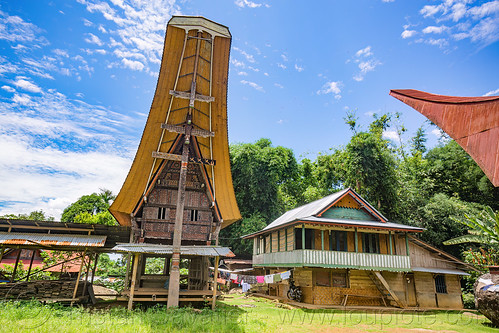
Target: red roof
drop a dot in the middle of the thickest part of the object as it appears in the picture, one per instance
(473, 122)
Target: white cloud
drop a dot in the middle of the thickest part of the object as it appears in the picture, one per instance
(437, 132)
(139, 26)
(281, 65)
(465, 19)
(55, 149)
(331, 87)
(298, 68)
(93, 39)
(364, 58)
(27, 85)
(237, 63)
(62, 53)
(249, 57)
(365, 52)
(490, 93)
(242, 73)
(21, 99)
(408, 33)
(133, 64)
(434, 29)
(15, 30)
(8, 88)
(247, 3)
(253, 85)
(284, 57)
(391, 135)
(278, 85)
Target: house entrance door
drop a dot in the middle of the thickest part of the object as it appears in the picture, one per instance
(410, 290)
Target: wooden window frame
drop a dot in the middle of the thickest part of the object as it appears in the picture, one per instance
(440, 284)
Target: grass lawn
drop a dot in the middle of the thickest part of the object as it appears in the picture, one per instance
(236, 314)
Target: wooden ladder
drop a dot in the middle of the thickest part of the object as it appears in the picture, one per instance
(384, 288)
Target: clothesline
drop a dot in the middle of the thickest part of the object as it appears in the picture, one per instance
(247, 281)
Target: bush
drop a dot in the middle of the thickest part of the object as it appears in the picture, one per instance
(468, 300)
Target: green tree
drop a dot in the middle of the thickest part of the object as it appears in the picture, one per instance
(231, 236)
(91, 209)
(370, 167)
(482, 228)
(258, 170)
(37, 215)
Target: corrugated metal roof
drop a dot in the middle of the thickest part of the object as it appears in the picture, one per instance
(307, 210)
(21, 238)
(209, 251)
(438, 270)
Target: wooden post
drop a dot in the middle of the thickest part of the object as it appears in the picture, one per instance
(407, 243)
(215, 282)
(286, 239)
(174, 286)
(86, 277)
(134, 278)
(95, 267)
(356, 241)
(303, 236)
(31, 264)
(390, 241)
(322, 239)
(78, 278)
(279, 240)
(15, 266)
(270, 235)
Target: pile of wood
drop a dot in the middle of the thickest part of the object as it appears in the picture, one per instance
(40, 290)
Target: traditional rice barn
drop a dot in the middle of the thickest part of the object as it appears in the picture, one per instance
(342, 251)
(179, 193)
(473, 122)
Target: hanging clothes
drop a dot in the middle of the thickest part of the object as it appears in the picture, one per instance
(245, 286)
(260, 279)
(269, 278)
(277, 277)
(285, 275)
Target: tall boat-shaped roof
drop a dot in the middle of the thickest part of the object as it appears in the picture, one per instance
(473, 122)
(169, 109)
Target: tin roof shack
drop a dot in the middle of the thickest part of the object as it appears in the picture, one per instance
(473, 122)
(179, 189)
(26, 239)
(345, 252)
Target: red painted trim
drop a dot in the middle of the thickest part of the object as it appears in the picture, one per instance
(357, 198)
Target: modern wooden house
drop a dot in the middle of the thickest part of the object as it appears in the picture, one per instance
(344, 252)
(179, 193)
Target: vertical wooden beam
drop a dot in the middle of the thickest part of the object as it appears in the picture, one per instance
(15, 266)
(286, 239)
(78, 278)
(31, 264)
(215, 282)
(86, 276)
(174, 286)
(390, 241)
(407, 243)
(1, 254)
(356, 241)
(270, 245)
(95, 267)
(303, 236)
(322, 239)
(134, 278)
(279, 240)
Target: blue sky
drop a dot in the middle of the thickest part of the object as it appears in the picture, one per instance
(77, 78)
